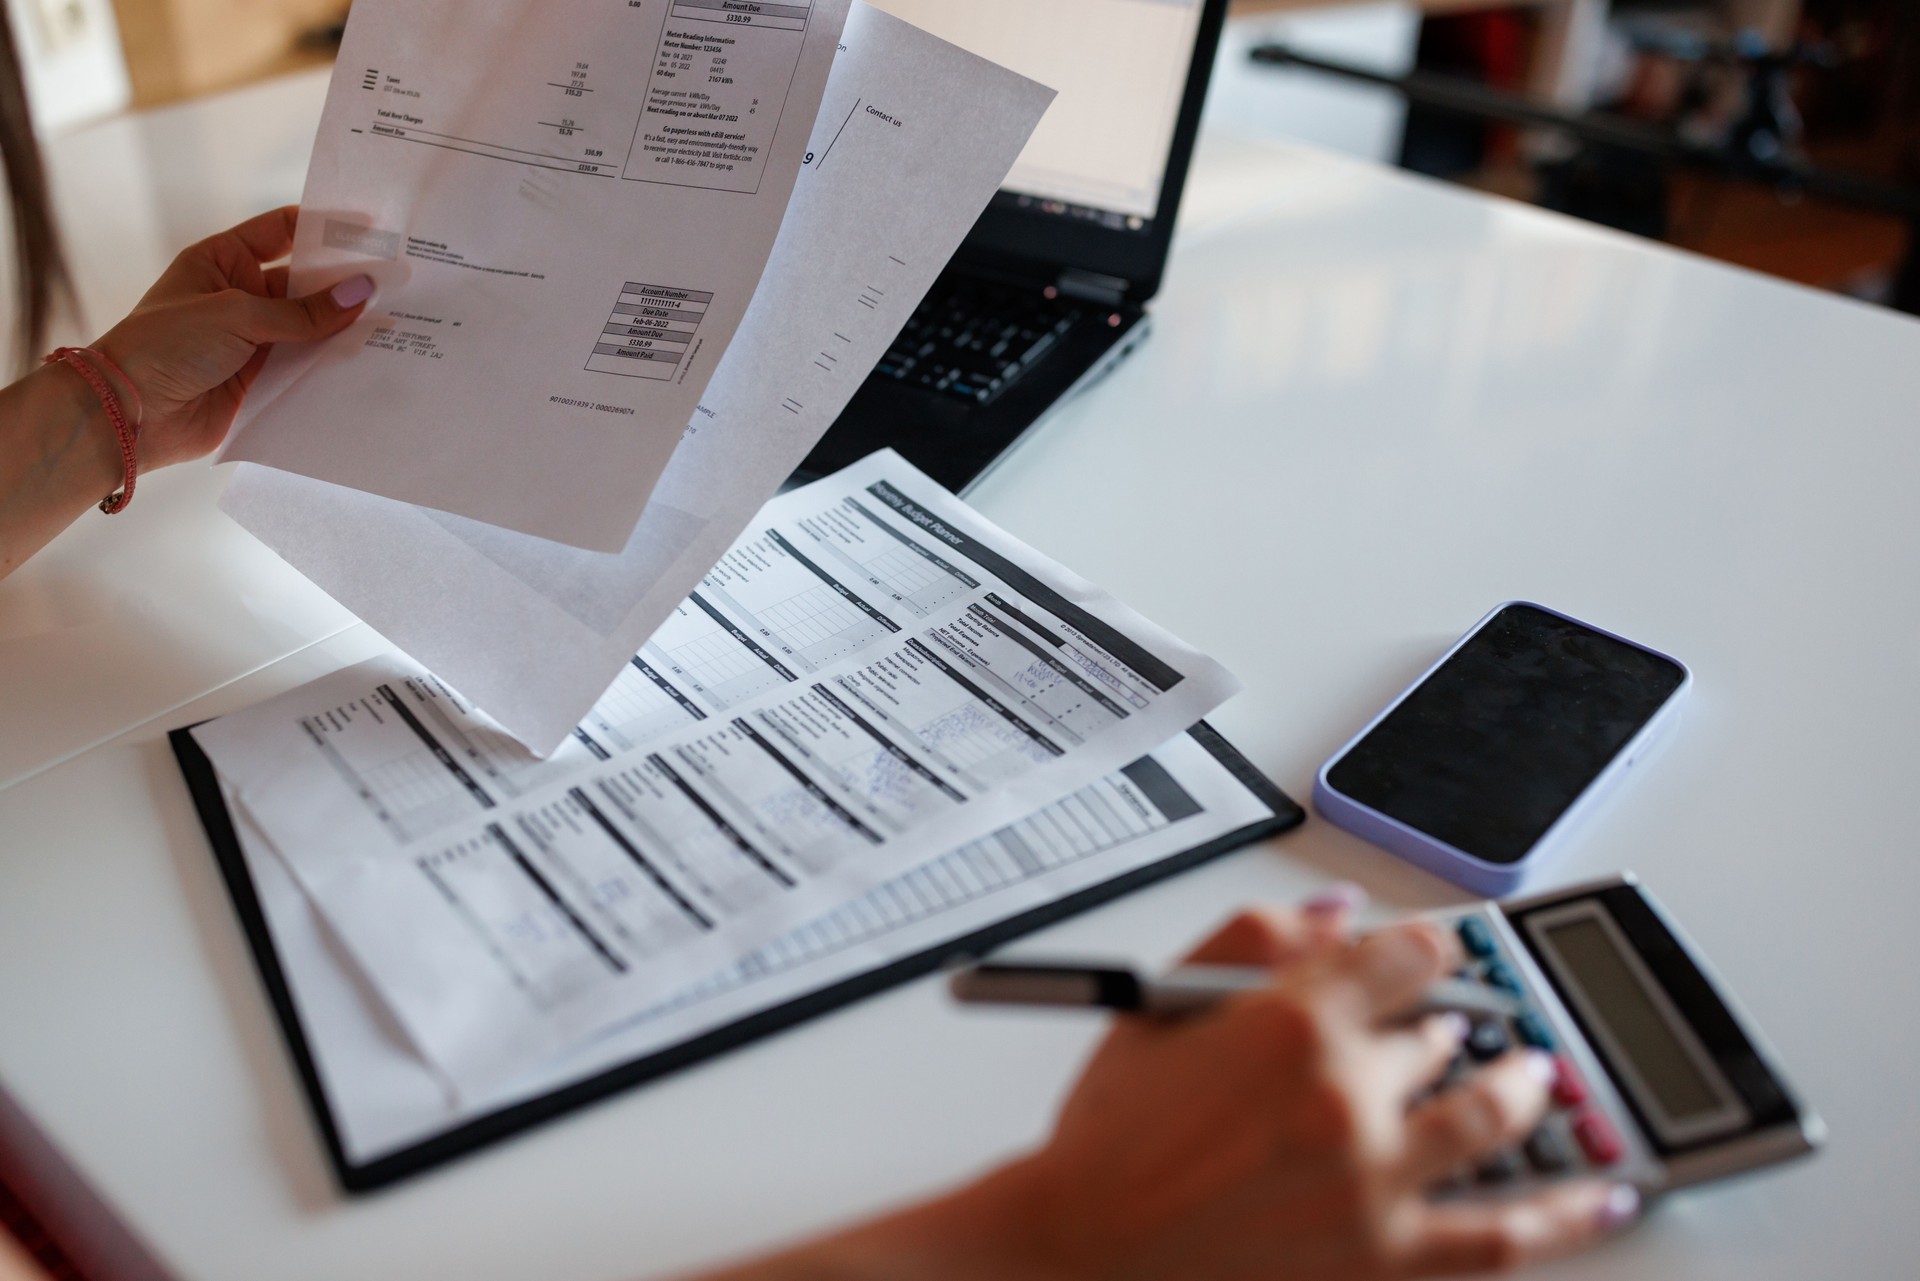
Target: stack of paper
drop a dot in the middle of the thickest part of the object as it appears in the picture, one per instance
(659, 751)
(871, 677)
(568, 207)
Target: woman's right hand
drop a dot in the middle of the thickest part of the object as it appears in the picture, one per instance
(1287, 1133)
(195, 343)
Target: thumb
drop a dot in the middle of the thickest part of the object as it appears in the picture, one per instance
(309, 319)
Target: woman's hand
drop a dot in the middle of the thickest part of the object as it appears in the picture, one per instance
(190, 351)
(1281, 1136)
(1288, 1135)
(196, 342)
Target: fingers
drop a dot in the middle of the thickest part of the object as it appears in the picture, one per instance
(269, 236)
(309, 319)
(1411, 1060)
(1490, 1111)
(1329, 914)
(1269, 937)
(1273, 937)
(276, 279)
(1393, 967)
(1462, 1238)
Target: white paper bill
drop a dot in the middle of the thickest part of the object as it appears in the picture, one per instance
(872, 675)
(384, 1098)
(567, 206)
(534, 631)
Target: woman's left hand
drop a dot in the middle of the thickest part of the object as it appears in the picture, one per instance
(196, 342)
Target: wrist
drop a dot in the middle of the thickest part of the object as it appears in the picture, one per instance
(81, 448)
(108, 361)
(1004, 1226)
(107, 358)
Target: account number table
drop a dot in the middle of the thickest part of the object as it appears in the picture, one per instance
(1372, 408)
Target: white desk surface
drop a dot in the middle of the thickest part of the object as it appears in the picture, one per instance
(1373, 407)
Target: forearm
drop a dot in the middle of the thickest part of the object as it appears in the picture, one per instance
(58, 457)
(995, 1230)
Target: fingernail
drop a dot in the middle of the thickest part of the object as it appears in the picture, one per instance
(351, 293)
(1541, 1066)
(1344, 897)
(1621, 1208)
(1456, 1025)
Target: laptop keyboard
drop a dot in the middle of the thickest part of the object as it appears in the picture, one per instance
(971, 339)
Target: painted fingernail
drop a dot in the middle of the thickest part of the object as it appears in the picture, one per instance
(1344, 897)
(1621, 1208)
(351, 293)
(1541, 1067)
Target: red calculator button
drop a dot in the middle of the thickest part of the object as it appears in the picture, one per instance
(1597, 1138)
(1569, 1091)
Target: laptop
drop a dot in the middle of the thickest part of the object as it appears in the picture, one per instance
(1049, 291)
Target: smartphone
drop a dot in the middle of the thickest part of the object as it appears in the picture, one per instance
(1480, 769)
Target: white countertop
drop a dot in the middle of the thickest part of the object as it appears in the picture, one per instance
(1372, 408)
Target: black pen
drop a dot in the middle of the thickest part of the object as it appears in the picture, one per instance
(1185, 990)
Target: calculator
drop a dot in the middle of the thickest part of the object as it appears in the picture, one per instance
(1659, 1081)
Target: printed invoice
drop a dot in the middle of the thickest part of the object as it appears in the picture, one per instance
(567, 206)
(872, 676)
(383, 1097)
(913, 140)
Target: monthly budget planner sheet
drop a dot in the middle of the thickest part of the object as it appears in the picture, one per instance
(384, 1099)
(567, 207)
(871, 676)
(913, 140)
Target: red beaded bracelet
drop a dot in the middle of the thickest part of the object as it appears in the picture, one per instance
(77, 359)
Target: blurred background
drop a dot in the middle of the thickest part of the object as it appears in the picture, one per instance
(1781, 135)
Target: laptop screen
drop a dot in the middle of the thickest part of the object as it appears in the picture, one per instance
(1121, 68)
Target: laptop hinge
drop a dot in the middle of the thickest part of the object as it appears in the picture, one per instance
(1088, 286)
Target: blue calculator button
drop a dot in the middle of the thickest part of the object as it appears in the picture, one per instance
(1487, 1040)
(1533, 1030)
(1499, 974)
(1477, 937)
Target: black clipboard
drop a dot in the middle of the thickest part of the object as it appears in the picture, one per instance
(470, 1136)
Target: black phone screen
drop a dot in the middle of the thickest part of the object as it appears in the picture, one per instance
(1489, 750)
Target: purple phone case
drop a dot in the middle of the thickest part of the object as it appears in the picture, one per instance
(1493, 880)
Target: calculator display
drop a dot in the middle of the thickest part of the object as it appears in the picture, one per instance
(1644, 1024)
(1651, 1045)
(1621, 1003)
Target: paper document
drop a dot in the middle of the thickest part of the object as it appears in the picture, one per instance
(914, 139)
(384, 1098)
(872, 675)
(567, 206)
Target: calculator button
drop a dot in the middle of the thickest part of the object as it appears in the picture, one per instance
(1477, 937)
(1533, 1030)
(1499, 974)
(1569, 1091)
(1502, 1168)
(1488, 1040)
(1547, 1151)
(1597, 1138)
